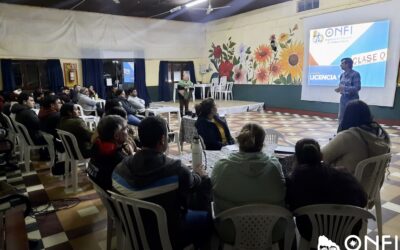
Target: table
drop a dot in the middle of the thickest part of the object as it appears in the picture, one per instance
(210, 157)
(203, 87)
(157, 110)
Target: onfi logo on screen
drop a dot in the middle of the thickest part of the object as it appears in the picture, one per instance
(354, 242)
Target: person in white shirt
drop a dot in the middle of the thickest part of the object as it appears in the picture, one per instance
(137, 102)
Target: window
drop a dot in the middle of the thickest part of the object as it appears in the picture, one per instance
(176, 70)
(30, 74)
(113, 69)
(303, 5)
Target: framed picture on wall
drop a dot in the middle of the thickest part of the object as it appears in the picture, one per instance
(70, 74)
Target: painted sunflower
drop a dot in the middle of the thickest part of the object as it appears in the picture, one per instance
(292, 60)
(262, 75)
(262, 53)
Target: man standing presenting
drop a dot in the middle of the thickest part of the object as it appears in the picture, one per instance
(350, 84)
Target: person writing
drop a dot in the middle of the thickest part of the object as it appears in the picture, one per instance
(350, 84)
(184, 92)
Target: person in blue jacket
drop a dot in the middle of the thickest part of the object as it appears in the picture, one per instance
(211, 127)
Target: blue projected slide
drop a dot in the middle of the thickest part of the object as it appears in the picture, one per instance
(129, 72)
(365, 43)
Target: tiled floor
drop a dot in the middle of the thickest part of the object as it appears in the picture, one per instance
(80, 220)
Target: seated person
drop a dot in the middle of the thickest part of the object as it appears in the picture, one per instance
(359, 137)
(65, 95)
(71, 122)
(85, 101)
(185, 86)
(109, 149)
(313, 182)
(92, 92)
(151, 169)
(136, 102)
(26, 116)
(247, 177)
(210, 127)
(49, 116)
(130, 110)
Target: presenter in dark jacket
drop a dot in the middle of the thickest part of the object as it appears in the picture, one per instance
(210, 127)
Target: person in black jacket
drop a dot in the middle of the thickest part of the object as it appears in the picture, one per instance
(210, 127)
(49, 116)
(129, 108)
(26, 116)
(167, 182)
(313, 182)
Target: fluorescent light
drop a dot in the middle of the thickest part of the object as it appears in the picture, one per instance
(193, 3)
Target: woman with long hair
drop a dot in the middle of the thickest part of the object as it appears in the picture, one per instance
(71, 122)
(314, 182)
(359, 137)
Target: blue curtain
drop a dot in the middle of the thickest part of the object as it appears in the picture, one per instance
(92, 70)
(7, 75)
(190, 67)
(55, 75)
(140, 80)
(163, 86)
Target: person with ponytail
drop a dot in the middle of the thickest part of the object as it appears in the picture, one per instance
(359, 137)
(314, 182)
(211, 127)
(247, 177)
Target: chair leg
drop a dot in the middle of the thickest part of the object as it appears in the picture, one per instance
(74, 173)
(27, 158)
(110, 225)
(378, 211)
(67, 173)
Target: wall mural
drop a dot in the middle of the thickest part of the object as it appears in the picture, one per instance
(279, 61)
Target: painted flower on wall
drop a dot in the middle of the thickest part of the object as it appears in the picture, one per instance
(261, 75)
(262, 53)
(239, 74)
(225, 69)
(278, 61)
(292, 61)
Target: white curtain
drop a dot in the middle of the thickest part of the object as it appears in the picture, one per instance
(31, 32)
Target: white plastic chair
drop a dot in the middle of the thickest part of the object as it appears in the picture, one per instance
(127, 211)
(28, 145)
(272, 137)
(371, 173)
(112, 218)
(213, 87)
(220, 87)
(334, 221)
(91, 120)
(227, 92)
(254, 225)
(73, 159)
